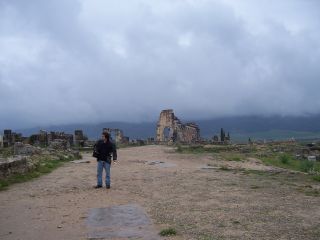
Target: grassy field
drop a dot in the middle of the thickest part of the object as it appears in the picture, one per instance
(282, 155)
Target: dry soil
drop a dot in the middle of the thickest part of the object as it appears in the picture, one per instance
(230, 200)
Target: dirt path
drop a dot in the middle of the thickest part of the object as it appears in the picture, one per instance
(200, 203)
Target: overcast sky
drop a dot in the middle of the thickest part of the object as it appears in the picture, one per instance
(79, 61)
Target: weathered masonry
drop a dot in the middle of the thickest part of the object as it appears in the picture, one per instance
(170, 128)
(79, 138)
(119, 137)
(9, 138)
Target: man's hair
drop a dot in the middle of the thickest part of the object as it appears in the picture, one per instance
(106, 135)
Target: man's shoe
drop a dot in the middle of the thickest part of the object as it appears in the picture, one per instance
(108, 186)
(98, 186)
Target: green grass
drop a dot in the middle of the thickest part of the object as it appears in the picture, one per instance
(285, 158)
(168, 232)
(6, 152)
(313, 193)
(288, 162)
(44, 165)
(316, 178)
(202, 149)
(231, 156)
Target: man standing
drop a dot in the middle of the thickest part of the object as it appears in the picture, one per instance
(105, 148)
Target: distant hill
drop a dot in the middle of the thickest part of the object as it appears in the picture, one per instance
(240, 128)
(275, 127)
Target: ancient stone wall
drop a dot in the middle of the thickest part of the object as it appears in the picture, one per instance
(79, 138)
(44, 138)
(119, 137)
(170, 128)
(9, 137)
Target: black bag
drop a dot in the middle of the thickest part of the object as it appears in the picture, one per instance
(95, 151)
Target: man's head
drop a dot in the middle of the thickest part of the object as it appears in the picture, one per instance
(106, 136)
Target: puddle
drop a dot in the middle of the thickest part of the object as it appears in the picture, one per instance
(161, 164)
(125, 221)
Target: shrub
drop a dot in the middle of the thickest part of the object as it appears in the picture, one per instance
(285, 158)
(306, 166)
(168, 232)
(316, 178)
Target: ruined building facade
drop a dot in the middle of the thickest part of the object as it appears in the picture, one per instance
(119, 137)
(79, 138)
(9, 138)
(44, 138)
(170, 128)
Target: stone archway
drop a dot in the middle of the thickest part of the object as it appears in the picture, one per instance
(166, 121)
(178, 132)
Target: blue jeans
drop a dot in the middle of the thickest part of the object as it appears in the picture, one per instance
(106, 166)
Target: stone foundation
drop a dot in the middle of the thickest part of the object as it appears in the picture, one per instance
(16, 165)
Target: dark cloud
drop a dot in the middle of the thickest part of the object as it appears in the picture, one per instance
(89, 61)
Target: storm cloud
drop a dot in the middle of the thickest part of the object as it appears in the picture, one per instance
(77, 61)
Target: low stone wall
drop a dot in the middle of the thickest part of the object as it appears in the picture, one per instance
(15, 165)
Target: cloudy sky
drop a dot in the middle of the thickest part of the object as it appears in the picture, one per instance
(79, 61)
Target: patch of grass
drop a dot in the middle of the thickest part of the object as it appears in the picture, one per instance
(225, 168)
(6, 152)
(198, 149)
(168, 232)
(306, 166)
(288, 162)
(285, 158)
(316, 178)
(235, 158)
(232, 157)
(44, 165)
(313, 193)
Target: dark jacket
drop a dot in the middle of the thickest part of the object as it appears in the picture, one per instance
(105, 150)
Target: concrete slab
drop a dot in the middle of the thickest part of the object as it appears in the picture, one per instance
(125, 221)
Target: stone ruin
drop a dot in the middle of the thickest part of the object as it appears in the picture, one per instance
(171, 129)
(16, 165)
(224, 138)
(44, 138)
(119, 137)
(9, 138)
(25, 149)
(79, 138)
